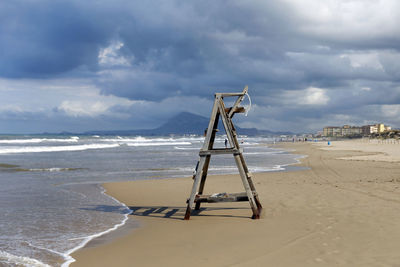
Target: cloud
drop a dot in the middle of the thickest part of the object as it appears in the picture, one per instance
(306, 63)
(311, 96)
(110, 56)
(92, 108)
(392, 111)
(364, 24)
(315, 96)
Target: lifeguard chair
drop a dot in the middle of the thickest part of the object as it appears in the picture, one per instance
(196, 196)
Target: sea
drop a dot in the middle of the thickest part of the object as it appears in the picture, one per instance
(51, 199)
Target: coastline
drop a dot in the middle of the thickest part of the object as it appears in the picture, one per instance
(90, 239)
(337, 212)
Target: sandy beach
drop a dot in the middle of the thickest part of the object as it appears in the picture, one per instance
(343, 210)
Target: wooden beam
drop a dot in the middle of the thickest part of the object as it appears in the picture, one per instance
(223, 197)
(237, 110)
(229, 94)
(220, 151)
(237, 102)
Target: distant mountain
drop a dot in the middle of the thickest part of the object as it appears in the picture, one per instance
(186, 123)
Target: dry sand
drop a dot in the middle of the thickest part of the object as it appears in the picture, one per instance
(377, 150)
(337, 213)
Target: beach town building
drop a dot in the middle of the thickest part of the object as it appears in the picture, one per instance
(369, 129)
(375, 128)
(332, 131)
(347, 130)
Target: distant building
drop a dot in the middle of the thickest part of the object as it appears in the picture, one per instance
(369, 129)
(375, 128)
(332, 131)
(347, 130)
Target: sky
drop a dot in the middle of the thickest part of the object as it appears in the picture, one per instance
(122, 64)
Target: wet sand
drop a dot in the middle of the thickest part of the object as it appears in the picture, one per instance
(336, 213)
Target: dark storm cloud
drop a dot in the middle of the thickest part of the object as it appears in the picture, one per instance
(161, 50)
(169, 43)
(46, 38)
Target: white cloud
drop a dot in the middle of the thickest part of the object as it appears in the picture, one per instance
(11, 108)
(315, 96)
(364, 59)
(348, 19)
(94, 104)
(311, 96)
(82, 108)
(110, 56)
(392, 111)
(74, 97)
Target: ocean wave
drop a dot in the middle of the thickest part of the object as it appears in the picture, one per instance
(73, 139)
(159, 144)
(186, 148)
(20, 260)
(264, 153)
(140, 139)
(37, 149)
(227, 169)
(53, 169)
(266, 169)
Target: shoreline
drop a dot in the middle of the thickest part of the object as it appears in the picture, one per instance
(92, 238)
(162, 226)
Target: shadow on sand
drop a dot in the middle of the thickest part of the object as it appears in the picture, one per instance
(166, 212)
(178, 213)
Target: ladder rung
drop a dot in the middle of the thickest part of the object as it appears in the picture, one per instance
(237, 110)
(223, 197)
(217, 151)
(229, 94)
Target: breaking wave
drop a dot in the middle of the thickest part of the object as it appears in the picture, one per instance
(36, 149)
(73, 139)
(11, 259)
(159, 144)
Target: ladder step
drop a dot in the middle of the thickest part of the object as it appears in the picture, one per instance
(223, 197)
(218, 151)
(236, 110)
(229, 94)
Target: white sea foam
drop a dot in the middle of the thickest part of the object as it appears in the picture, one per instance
(266, 169)
(186, 148)
(36, 149)
(20, 261)
(140, 139)
(85, 239)
(263, 153)
(73, 139)
(50, 169)
(67, 255)
(159, 144)
(233, 169)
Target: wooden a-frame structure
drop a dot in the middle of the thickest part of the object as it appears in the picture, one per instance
(220, 111)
